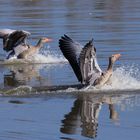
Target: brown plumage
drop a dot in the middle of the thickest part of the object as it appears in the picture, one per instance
(84, 62)
(33, 49)
(14, 41)
(105, 77)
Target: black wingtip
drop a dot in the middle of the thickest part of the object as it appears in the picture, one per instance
(65, 36)
(65, 39)
(91, 41)
(67, 47)
(91, 44)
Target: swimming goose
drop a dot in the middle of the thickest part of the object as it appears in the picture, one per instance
(14, 41)
(84, 62)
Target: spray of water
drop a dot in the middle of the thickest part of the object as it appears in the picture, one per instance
(44, 56)
(48, 56)
(125, 77)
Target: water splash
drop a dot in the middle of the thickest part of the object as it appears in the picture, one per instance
(21, 90)
(43, 57)
(50, 58)
(46, 55)
(125, 78)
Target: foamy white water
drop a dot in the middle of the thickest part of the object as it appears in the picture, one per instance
(45, 56)
(125, 77)
(50, 58)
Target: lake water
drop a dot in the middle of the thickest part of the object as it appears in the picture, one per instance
(37, 101)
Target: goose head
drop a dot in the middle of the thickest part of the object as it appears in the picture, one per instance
(45, 40)
(42, 41)
(114, 57)
(112, 60)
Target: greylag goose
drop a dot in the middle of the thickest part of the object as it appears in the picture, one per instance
(84, 62)
(14, 42)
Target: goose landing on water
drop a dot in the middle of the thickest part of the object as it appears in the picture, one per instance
(14, 41)
(84, 62)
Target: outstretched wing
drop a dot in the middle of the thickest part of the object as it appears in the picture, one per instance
(71, 51)
(90, 69)
(4, 32)
(12, 38)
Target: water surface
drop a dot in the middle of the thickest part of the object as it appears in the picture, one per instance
(67, 113)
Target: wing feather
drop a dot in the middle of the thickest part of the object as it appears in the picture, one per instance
(4, 32)
(90, 69)
(71, 51)
(12, 38)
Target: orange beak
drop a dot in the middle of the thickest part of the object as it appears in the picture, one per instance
(117, 56)
(48, 40)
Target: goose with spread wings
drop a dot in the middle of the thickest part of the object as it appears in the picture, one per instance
(84, 63)
(15, 43)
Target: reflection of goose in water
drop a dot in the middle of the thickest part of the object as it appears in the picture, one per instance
(14, 41)
(84, 62)
(85, 113)
(24, 75)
